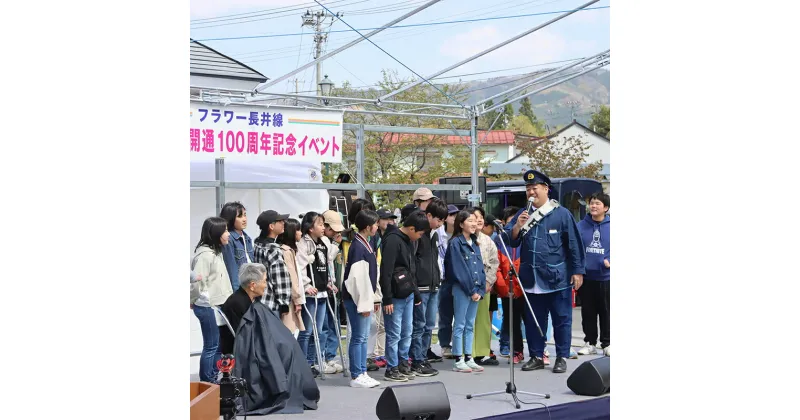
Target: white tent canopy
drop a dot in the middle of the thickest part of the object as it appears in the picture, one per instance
(293, 202)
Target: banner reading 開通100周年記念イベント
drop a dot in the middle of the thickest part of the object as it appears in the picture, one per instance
(237, 132)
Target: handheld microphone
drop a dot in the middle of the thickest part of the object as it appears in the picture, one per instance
(530, 206)
(524, 230)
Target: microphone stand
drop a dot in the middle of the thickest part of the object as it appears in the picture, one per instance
(511, 387)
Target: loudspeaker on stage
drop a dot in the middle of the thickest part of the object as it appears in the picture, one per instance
(592, 378)
(418, 401)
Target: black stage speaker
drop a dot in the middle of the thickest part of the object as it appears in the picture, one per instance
(592, 378)
(424, 401)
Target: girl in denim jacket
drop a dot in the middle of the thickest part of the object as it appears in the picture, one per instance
(463, 266)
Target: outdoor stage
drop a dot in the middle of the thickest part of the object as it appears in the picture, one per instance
(339, 401)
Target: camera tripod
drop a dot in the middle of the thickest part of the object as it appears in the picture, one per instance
(511, 387)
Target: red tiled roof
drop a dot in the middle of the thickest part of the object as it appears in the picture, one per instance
(495, 137)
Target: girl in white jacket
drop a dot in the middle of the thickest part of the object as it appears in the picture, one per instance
(358, 294)
(212, 290)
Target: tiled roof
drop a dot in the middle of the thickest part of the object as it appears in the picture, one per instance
(495, 137)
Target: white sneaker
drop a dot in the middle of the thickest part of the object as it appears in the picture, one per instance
(587, 349)
(460, 366)
(327, 369)
(474, 366)
(370, 380)
(360, 382)
(607, 351)
(338, 368)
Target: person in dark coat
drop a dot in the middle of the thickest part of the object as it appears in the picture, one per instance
(279, 380)
(252, 282)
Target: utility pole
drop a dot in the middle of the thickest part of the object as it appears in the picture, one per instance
(316, 20)
(573, 105)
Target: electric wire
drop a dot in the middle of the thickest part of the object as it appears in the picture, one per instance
(413, 25)
(395, 59)
(405, 33)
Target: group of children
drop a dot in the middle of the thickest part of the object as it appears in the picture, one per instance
(394, 280)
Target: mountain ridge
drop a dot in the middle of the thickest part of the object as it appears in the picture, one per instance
(579, 97)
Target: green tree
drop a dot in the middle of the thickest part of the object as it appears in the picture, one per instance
(526, 109)
(600, 122)
(503, 122)
(507, 118)
(522, 125)
(485, 120)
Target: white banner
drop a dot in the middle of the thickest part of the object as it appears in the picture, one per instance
(241, 132)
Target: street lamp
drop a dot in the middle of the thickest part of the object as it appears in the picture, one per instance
(325, 87)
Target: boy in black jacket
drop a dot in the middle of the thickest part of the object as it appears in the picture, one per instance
(400, 293)
(428, 280)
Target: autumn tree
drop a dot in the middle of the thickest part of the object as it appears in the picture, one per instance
(561, 157)
(390, 158)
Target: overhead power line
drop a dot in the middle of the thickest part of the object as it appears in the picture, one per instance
(407, 33)
(408, 26)
(258, 18)
(265, 12)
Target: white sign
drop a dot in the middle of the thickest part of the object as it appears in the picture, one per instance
(265, 133)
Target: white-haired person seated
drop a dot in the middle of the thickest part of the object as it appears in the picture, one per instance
(267, 355)
(252, 282)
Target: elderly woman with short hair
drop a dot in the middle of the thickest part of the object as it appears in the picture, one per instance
(252, 282)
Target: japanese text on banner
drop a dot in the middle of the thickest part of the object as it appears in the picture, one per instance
(265, 133)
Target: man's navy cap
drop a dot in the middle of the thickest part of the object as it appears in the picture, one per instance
(536, 177)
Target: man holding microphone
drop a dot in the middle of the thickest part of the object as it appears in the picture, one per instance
(551, 264)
